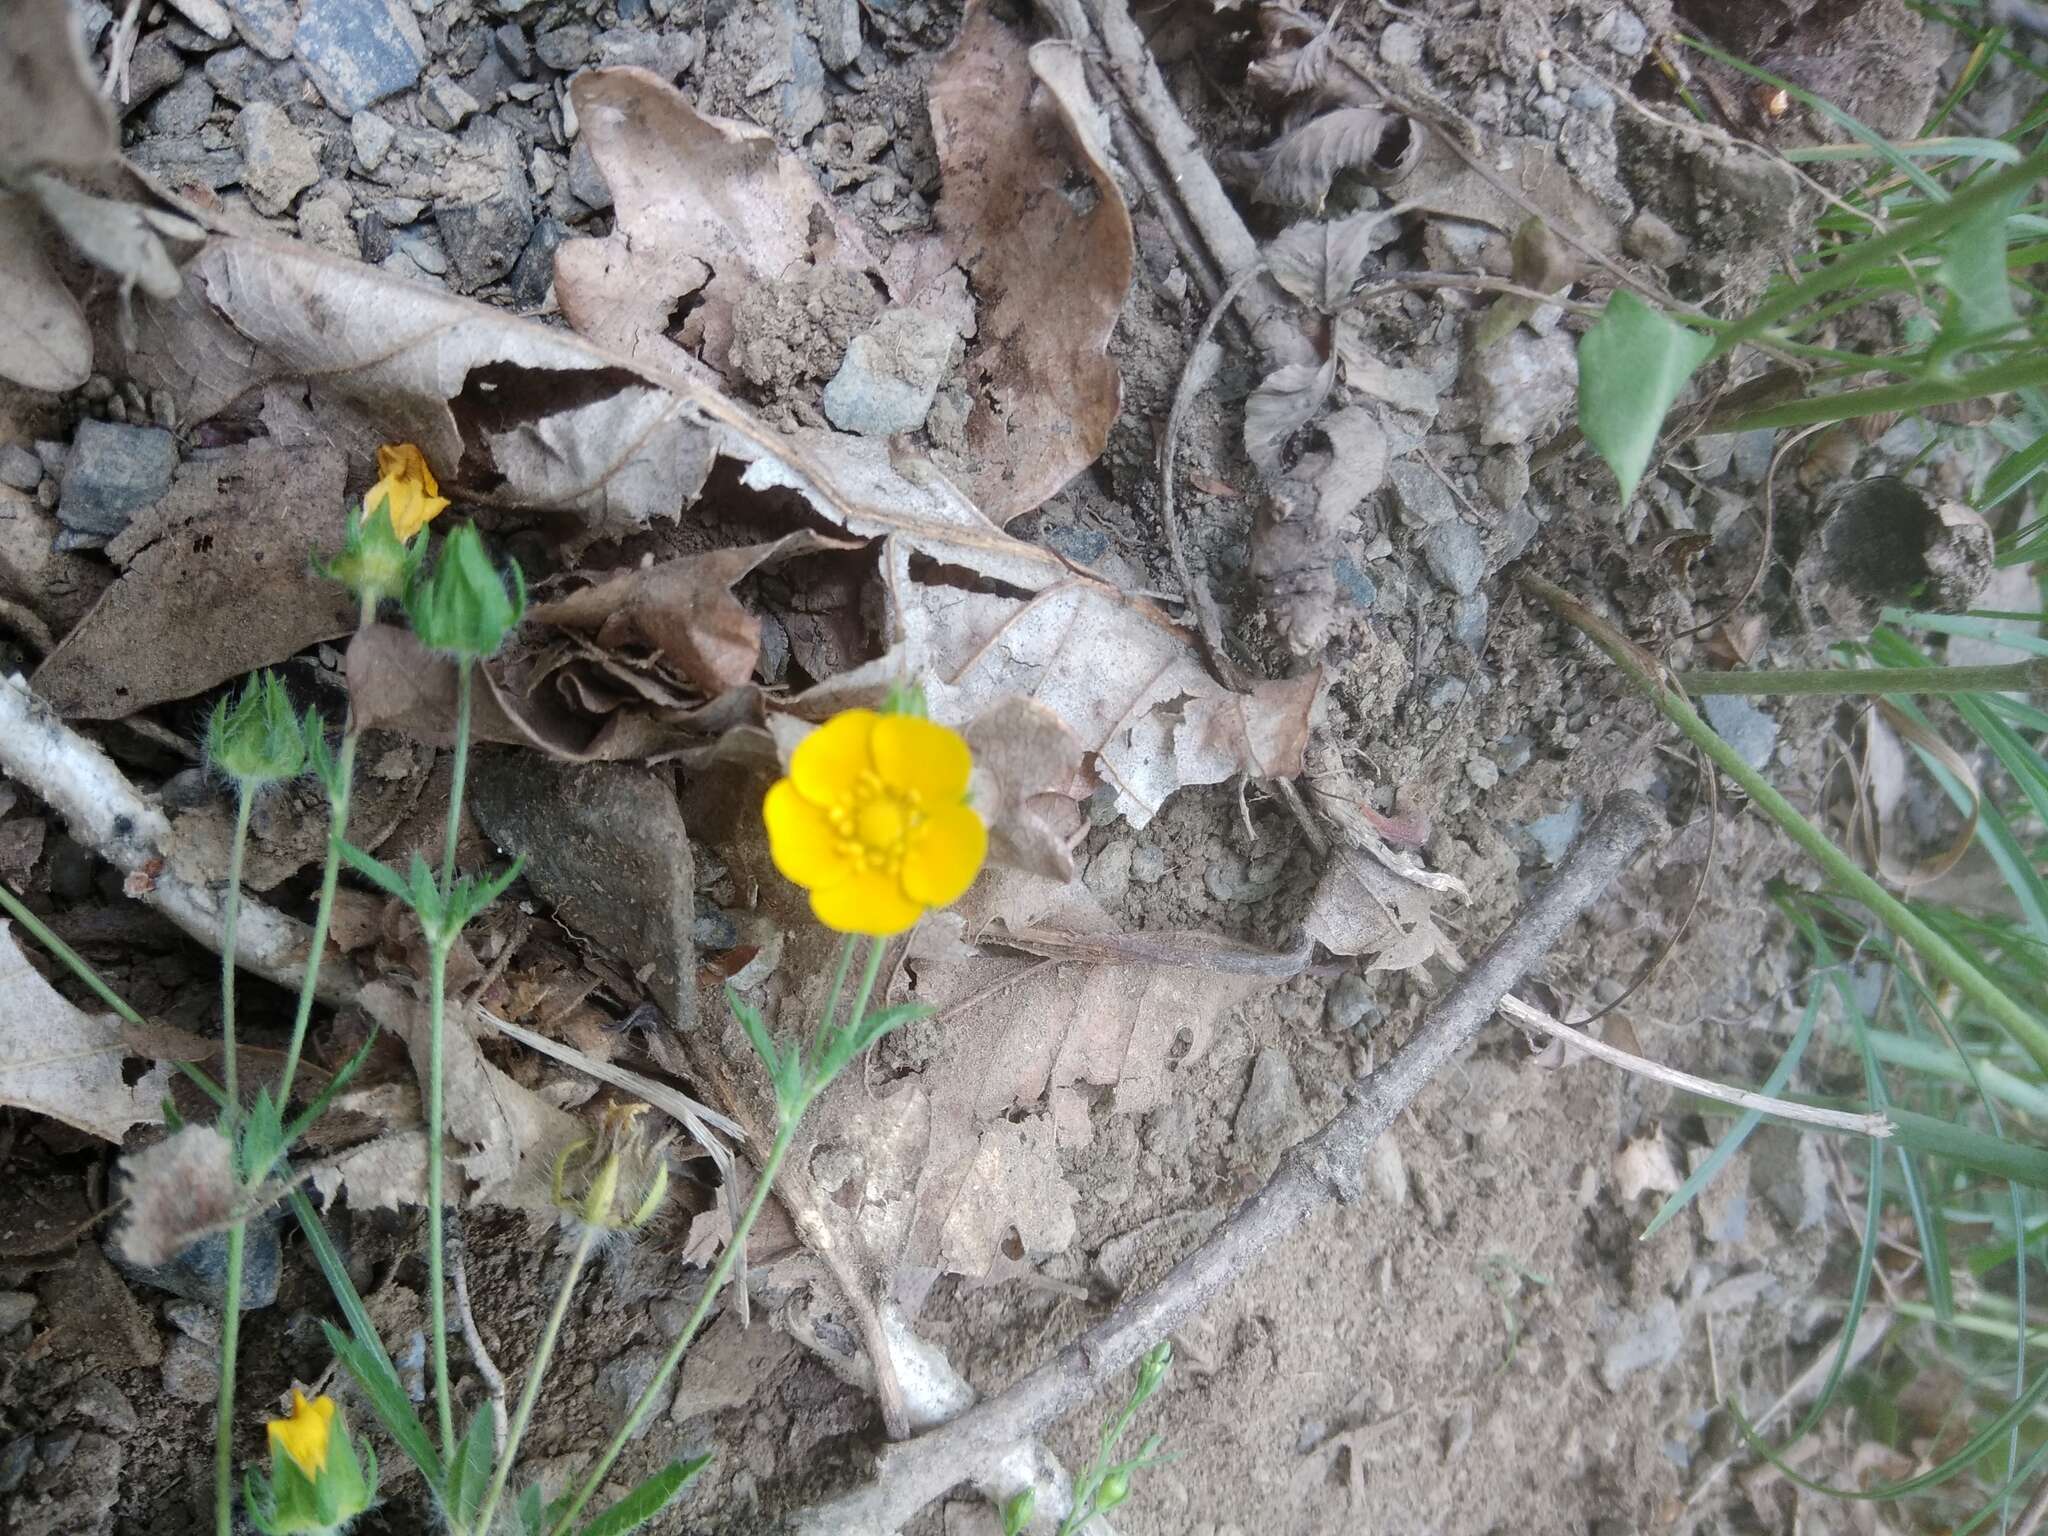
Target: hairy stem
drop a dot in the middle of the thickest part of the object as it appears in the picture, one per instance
(323, 911)
(437, 1282)
(2025, 371)
(867, 987)
(824, 1030)
(530, 1393)
(224, 1415)
(2012, 677)
(465, 686)
(231, 911)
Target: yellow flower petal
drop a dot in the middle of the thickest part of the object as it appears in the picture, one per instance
(827, 764)
(871, 902)
(801, 839)
(409, 487)
(304, 1436)
(914, 754)
(944, 856)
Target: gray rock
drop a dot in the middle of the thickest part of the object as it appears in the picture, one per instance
(1084, 545)
(268, 26)
(715, 932)
(15, 1457)
(1446, 691)
(113, 473)
(1654, 241)
(191, 1371)
(359, 51)
(278, 161)
(838, 32)
(484, 235)
(194, 1319)
(1745, 727)
(514, 49)
(445, 104)
(1523, 384)
(20, 468)
(1752, 455)
(16, 1308)
(1350, 1004)
(1354, 585)
(1148, 864)
(200, 1273)
(621, 1381)
(1504, 476)
(534, 272)
(586, 182)
(564, 48)
(182, 110)
(1552, 835)
(667, 53)
(1622, 30)
(1401, 44)
(1109, 872)
(1468, 621)
(99, 1401)
(372, 138)
(242, 75)
(1642, 1342)
(1787, 1169)
(324, 220)
(153, 68)
(891, 372)
(1270, 1115)
(1481, 771)
(186, 161)
(1420, 499)
(1452, 553)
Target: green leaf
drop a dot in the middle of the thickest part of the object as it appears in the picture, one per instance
(529, 1510)
(376, 871)
(756, 1031)
(1972, 269)
(1632, 365)
(647, 1500)
(472, 895)
(393, 1409)
(469, 1471)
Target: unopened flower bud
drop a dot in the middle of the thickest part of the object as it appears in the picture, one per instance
(257, 738)
(465, 607)
(616, 1182)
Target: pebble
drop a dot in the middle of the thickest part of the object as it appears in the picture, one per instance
(242, 75)
(667, 54)
(1651, 239)
(714, 931)
(16, 1308)
(15, 1457)
(1482, 772)
(1350, 1004)
(278, 161)
(1746, 728)
(564, 48)
(359, 51)
(1271, 1112)
(1468, 621)
(113, 473)
(209, 16)
(890, 374)
(1787, 1167)
(1513, 753)
(534, 272)
(1504, 476)
(1752, 455)
(1553, 834)
(445, 104)
(268, 26)
(1454, 557)
(372, 137)
(838, 32)
(99, 1401)
(194, 1320)
(1356, 586)
(1592, 98)
(621, 1381)
(19, 467)
(191, 1371)
(1388, 1170)
(1642, 1342)
(586, 182)
(1523, 384)
(1109, 872)
(1401, 45)
(513, 48)
(1622, 30)
(1420, 498)
(200, 1272)
(485, 236)
(1148, 864)
(182, 110)
(1085, 546)
(153, 68)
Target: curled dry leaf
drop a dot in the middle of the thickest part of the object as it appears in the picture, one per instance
(124, 238)
(1286, 400)
(50, 113)
(44, 341)
(59, 1061)
(1381, 147)
(1319, 260)
(1014, 125)
(1027, 764)
(174, 1193)
(1643, 1167)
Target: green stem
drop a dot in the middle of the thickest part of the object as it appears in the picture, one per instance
(230, 916)
(2013, 677)
(2020, 372)
(831, 1012)
(2021, 1025)
(867, 987)
(530, 1393)
(465, 686)
(323, 912)
(719, 1275)
(437, 1287)
(224, 1417)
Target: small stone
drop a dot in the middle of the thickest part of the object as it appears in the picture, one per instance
(16, 1308)
(1651, 239)
(1468, 621)
(1349, 1003)
(715, 931)
(268, 26)
(113, 473)
(1454, 557)
(1786, 1167)
(1446, 691)
(891, 372)
(191, 1371)
(1353, 584)
(484, 235)
(324, 220)
(1109, 872)
(1082, 545)
(182, 110)
(1593, 98)
(19, 467)
(1513, 753)
(514, 48)
(1504, 476)
(534, 273)
(1482, 772)
(15, 1457)
(1270, 1114)
(1401, 45)
(1752, 455)
(1552, 835)
(564, 48)
(1622, 30)
(1745, 727)
(586, 182)
(153, 68)
(1388, 1170)
(99, 1401)
(623, 1379)
(1642, 1342)
(1420, 499)
(372, 137)
(195, 1320)
(359, 51)
(200, 1273)
(838, 32)
(243, 75)
(278, 162)
(668, 54)
(1148, 864)
(1523, 384)
(445, 104)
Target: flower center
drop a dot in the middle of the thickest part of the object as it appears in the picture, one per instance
(874, 824)
(881, 824)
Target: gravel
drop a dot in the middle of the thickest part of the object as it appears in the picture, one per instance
(621, 1381)
(1747, 729)
(890, 374)
(372, 137)
(359, 51)
(1454, 557)
(1420, 499)
(20, 468)
(1524, 384)
(271, 27)
(113, 473)
(278, 160)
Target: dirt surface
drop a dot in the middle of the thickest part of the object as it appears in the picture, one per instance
(1481, 1345)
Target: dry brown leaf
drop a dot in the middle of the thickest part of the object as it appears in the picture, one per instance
(684, 609)
(119, 236)
(1297, 172)
(44, 341)
(1285, 402)
(50, 114)
(1362, 908)
(1028, 774)
(219, 582)
(1643, 1166)
(60, 1061)
(1015, 127)
(1319, 261)
(705, 207)
(1445, 185)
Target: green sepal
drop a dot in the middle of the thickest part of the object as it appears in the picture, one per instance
(374, 562)
(288, 1503)
(256, 739)
(1018, 1512)
(464, 607)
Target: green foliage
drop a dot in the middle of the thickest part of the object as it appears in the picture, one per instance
(442, 919)
(469, 1472)
(1632, 365)
(647, 1500)
(257, 738)
(1106, 1482)
(464, 607)
(374, 562)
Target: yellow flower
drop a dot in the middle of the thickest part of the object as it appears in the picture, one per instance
(305, 1435)
(416, 498)
(873, 820)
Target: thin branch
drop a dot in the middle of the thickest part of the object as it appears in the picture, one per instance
(479, 1356)
(1328, 1165)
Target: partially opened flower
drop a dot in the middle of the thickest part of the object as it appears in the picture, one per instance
(873, 821)
(407, 486)
(317, 1481)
